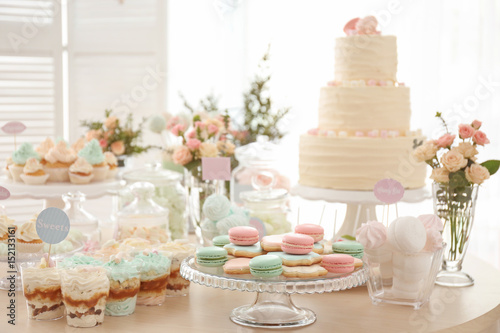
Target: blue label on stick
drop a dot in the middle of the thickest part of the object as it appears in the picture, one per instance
(52, 225)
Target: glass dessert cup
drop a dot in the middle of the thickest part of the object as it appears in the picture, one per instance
(273, 306)
(412, 279)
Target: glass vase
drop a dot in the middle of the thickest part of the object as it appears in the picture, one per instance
(455, 207)
(197, 191)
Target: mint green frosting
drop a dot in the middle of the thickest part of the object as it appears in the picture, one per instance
(153, 262)
(63, 247)
(59, 139)
(79, 260)
(3, 249)
(92, 152)
(291, 257)
(24, 152)
(121, 308)
(124, 270)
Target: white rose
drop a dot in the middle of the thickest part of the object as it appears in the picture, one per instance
(467, 149)
(440, 175)
(476, 173)
(208, 149)
(426, 151)
(453, 161)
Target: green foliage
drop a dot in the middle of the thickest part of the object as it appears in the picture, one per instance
(458, 180)
(492, 166)
(440, 116)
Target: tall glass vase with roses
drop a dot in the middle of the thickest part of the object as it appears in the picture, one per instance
(205, 138)
(457, 176)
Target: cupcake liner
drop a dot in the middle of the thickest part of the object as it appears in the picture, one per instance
(16, 172)
(112, 173)
(35, 180)
(57, 174)
(78, 179)
(7, 172)
(28, 247)
(100, 173)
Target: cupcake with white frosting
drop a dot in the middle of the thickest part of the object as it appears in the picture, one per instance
(44, 148)
(78, 144)
(5, 224)
(27, 238)
(92, 152)
(112, 162)
(80, 172)
(33, 173)
(59, 158)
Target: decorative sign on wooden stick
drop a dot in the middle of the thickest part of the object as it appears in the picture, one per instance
(259, 225)
(52, 226)
(4, 193)
(389, 190)
(216, 168)
(14, 127)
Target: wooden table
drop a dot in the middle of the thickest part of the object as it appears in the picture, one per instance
(472, 309)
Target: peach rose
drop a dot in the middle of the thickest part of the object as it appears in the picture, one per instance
(480, 138)
(440, 175)
(425, 152)
(226, 147)
(193, 144)
(93, 134)
(118, 148)
(465, 131)
(476, 173)
(476, 124)
(467, 149)
(212, 129)
(208, 149)
(111, 122)
(445, 140)
(453, 161)
(182, 155)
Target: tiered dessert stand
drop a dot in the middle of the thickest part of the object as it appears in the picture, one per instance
(52, 193)
(360, 204)
(273, 306)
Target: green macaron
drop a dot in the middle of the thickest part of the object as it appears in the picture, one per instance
(351, 248)
(266, 266)
(221, 240)
(211, 256)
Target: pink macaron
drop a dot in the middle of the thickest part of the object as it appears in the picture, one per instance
(243, 235)
(297, 244)
(338, 263)
(315, 231)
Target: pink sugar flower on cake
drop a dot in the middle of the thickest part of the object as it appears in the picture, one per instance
(372, 82)
(313, 131)
(465, 131)
(367, 26)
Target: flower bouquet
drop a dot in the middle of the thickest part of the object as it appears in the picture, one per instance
(120, 139)
(457, 175)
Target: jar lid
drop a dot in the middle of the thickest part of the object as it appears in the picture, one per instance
(152, 173)
(256, 153)
(264, 196)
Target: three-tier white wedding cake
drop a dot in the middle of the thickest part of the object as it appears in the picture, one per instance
(364, 118)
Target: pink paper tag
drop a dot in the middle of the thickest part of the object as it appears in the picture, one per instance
(14, 127)
(216, 168)
(4, 193)
(259, 225)
(388, 190)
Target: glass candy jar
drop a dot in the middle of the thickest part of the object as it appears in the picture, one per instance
(168, 193)
(267, 205)
(143, 217)
(252, 158)
(79, 218)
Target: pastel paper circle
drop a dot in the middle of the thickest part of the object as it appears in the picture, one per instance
(389, 190)
(259, 225)
(4, 193)
(52, 225)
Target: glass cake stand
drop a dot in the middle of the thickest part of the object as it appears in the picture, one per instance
(273, 306)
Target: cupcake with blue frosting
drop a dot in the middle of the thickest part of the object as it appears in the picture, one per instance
(124, 279)
(92, 152)
(19, 157)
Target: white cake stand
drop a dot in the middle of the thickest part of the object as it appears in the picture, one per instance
(360, 204)
(52, 192)
(273, 306)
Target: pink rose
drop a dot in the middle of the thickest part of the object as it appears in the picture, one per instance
(172, 122)
(103, 143)
(367, 26)
(350, 27)
(480, 138)
(191, 134)
(212, 129)
(372, 82)
(193, 144)
(118, 148)
(465, 131)
(199, 124)
(313, 131)
(182, 155)
(178, 129)
(446, 140)
(476, 124)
